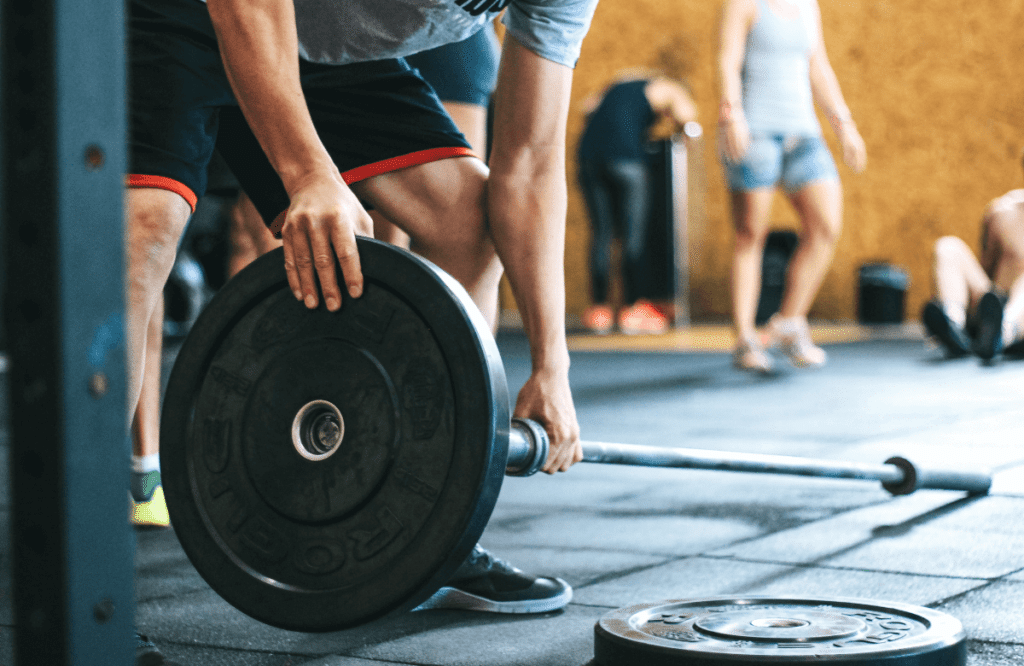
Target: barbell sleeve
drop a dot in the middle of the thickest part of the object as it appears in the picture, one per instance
(528, 449)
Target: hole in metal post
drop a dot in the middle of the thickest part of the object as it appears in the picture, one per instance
(94, 157)
(103, 611)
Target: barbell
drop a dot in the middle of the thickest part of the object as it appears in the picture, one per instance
(528, 447)
(323, 470)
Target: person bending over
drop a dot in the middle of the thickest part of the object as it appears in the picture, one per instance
(614, 176)
(979, 305)
(773, 68)
(316, 113)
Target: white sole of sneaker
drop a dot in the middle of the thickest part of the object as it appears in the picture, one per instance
(449, 598)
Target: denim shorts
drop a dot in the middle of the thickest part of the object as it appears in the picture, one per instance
(771, 158)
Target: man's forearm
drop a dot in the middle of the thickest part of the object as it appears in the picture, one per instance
(259, 45)
(527, 218)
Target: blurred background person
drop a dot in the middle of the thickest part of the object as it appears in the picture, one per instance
(772, 69)
(979, 305)
(616, 182)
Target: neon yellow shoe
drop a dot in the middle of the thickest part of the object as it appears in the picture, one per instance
(153, 511)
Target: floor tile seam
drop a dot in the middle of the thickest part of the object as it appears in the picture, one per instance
(580, 604)
(986, 641)
(166, 642)
(176, 595)
(801, 525)
(1019, 494)
(919, 520)
(611, 551)
(532, 511)
(639, 512)
(1007, 466)
(630, 571)
(370, 659)
(832, 567)
(960, 595)
(1012, 573)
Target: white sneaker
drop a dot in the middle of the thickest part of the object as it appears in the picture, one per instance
(749, 355)
(792, 337)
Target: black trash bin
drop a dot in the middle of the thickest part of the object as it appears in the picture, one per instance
(883, 290)
(778, 248)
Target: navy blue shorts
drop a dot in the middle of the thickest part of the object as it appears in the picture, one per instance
(372, 117)
(465, 71)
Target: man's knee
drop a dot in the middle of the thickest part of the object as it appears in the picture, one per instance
(949, 250)
(460, 221)
(155, 221)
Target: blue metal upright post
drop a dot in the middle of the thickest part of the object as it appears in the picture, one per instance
(64, 163)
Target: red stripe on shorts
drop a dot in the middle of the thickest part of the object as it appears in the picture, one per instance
(404, 161)
(164, 183)
(387, 166)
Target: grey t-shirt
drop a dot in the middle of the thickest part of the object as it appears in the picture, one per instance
(347, 31)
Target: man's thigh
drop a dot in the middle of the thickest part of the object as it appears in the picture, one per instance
(374, 118)
(177, 83)
(439, 204)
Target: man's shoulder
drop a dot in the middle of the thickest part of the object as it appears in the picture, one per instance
(1007, 207)
(1012, 201)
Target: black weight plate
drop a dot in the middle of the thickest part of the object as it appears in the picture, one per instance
(780, 631)
(383, 521)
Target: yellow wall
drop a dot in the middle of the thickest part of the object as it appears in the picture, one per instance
(936, 87)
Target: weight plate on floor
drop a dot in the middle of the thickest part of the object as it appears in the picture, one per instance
(729, 631)
(324, 469)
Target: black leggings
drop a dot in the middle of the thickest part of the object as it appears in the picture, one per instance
(618, 197)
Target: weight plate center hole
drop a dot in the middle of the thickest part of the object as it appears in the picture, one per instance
(778, 623)
(318, 430)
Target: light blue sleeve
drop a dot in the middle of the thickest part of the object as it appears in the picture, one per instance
(553, 29)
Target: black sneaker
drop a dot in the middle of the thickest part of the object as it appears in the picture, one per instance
(952, 337)
(486, 583)
(989, 340)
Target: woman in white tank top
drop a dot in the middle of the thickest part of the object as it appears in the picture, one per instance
(772, 69)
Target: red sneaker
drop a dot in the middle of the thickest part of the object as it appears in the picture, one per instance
(642, 317)
(598, 319)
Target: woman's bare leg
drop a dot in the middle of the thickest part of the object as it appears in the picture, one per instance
(820, 208)
(750, 212)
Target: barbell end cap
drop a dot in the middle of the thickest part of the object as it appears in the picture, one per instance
(909, 482)
(528, 448)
